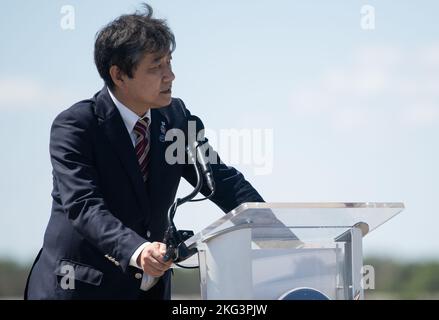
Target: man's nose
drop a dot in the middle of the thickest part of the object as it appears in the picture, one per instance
(169, 76)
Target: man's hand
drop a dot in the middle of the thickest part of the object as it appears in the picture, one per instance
(151, 259)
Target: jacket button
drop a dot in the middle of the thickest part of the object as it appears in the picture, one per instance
(148, 233)
(138, 276)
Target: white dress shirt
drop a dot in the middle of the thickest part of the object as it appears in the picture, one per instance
(130, 119)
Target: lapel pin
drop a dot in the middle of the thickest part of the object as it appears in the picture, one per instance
(162, 131)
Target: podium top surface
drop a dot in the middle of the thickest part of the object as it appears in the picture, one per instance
(307, 221)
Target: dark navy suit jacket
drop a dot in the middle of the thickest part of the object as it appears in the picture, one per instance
(102, 210)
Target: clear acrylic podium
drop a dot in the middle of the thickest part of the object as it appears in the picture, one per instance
(267, 250)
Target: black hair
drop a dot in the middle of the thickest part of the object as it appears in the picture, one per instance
(124, 42)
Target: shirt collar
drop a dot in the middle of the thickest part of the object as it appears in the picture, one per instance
(129, 117)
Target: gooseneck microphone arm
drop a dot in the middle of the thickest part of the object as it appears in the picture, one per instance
(174, 240)
(175, 247)
(198, 186)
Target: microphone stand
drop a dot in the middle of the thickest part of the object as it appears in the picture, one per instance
(174, 240)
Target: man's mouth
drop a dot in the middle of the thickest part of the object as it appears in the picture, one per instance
(166, 91)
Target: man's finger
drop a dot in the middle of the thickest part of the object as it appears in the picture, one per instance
(154, 267)
(157, 261)
(162, 248)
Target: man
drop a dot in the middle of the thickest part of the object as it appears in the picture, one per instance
(112, 185)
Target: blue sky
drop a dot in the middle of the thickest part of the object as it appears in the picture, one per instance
(354, 112)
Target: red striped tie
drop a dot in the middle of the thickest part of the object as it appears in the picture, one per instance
(142, 145)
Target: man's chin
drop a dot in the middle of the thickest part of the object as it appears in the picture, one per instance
(162, 103)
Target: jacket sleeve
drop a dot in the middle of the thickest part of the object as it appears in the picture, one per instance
(232, 189)
(71, 153)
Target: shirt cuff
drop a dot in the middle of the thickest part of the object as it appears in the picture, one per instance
(133, 260)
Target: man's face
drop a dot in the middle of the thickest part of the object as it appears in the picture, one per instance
(151, 83)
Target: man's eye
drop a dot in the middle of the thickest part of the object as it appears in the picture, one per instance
(158, 66)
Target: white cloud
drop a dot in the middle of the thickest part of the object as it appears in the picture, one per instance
(429, 56)
(379, 83)
(420, 114)
(26, 93)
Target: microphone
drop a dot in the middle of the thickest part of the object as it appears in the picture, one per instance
(199, 148)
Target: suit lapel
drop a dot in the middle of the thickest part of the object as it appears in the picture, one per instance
(115, 130)
(163, 177)
(157, 150)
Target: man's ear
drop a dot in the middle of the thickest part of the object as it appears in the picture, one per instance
(117, 76)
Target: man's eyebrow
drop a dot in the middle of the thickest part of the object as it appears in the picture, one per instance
(156, 60)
